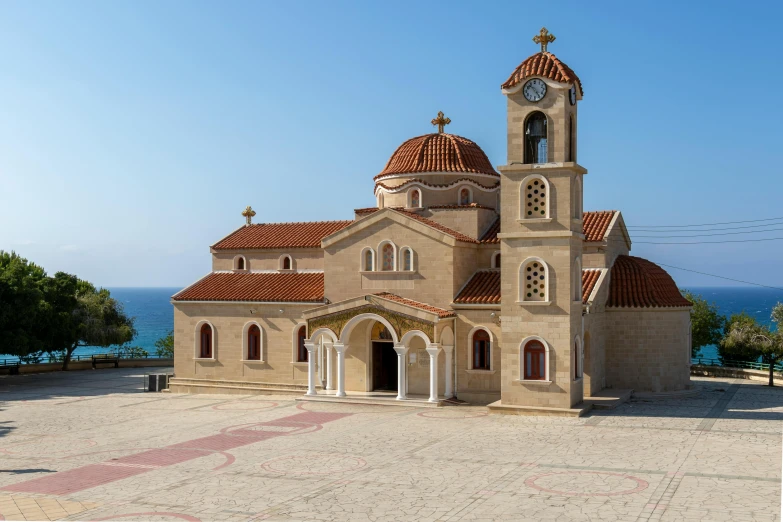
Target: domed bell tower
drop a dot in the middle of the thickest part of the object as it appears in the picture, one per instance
(541, 235)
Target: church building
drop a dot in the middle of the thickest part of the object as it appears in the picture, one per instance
(464, 282)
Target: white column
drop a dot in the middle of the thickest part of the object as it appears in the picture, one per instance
(329, 383)
(311, 354)
(448, 350)
(433, 350)
(340, 349)
(402, 364)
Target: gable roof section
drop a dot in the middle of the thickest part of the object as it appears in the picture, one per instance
(589, 279)
(491, 235)
(638, 283)
(299, 287)
(366, 212)
(595, 224)
(442, 313)
(280, 235)
(483, 288)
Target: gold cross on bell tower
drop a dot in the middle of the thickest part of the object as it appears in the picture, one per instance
(544, 37)
(440, 121)
(249, 213)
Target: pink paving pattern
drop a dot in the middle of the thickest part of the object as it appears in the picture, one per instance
(93, 475)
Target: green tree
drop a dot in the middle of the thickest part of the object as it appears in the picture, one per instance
(706, 323)
(21, 305)
(132, 352)
(164, 347)
(96, 320)
(737, 351)
(765, 343)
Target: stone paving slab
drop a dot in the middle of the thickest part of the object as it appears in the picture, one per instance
(93, 445)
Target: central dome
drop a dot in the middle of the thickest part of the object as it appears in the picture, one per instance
(438, 152)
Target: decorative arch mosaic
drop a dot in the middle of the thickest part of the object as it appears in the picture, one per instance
(401, 323)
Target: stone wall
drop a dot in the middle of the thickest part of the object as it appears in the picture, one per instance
(647, 349)
(302, 258)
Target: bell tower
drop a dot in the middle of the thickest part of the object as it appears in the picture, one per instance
(541, 235)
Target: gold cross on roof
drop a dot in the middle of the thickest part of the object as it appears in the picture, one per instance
(249, 213)
(441, 122)
(544, 38)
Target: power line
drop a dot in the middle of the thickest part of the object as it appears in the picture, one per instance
(699, 242)
(706, 224)
(720, 234)
(721, 277)
(639, 229)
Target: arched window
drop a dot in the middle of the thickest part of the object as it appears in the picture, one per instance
(495, 260)
(482, 356)
(254, 343)
(534, 203)
(368, 260)
(301, 350)
(577, 361)
(407, 258)
(205, 341)
(534, 358)
(415, 198)
(465, 196)
(571, 139)
(534, 281)
(577, 280)
(576, 203)
(380, 199)
(286, 263)
(239, 263)
(387, 257)
(536, 138)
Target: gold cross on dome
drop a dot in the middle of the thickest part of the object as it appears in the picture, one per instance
(544, 37)
(249, 213)
(441, 122)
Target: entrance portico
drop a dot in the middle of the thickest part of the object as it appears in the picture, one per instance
(381, 343)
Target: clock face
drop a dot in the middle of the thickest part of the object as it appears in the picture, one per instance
(534, 90)
(572, 95)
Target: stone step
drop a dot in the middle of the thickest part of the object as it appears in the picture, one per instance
(372, 400)
(189, 385)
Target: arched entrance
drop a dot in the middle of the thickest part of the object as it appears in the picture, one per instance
(383, 359)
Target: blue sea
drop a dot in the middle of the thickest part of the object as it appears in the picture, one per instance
(155, 316)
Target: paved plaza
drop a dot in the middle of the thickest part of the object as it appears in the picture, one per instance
(91, 445)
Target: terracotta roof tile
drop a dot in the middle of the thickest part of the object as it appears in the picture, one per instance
(256, 287)
(595, 224)
(421, 306)
(638, 283)
(438, 153)
(546, 65)
(589, 279)
(435, 185)
(462, 207)
(491, 235)
(280, 235)
(483, 288)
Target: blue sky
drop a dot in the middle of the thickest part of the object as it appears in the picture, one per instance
(132, 134)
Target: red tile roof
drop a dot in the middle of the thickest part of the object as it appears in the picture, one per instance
(462, 207)
(280, 235)
(438, 153)
(546, 65)
(483, 288)
(256, 287)
(589, 279)
(415, 304)
(595, 224)
(638, 283)
(491, 235)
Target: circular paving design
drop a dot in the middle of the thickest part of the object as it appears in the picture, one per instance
(152, 515)
(314, 464)
(452, 414)
(587, 483)
(245, 405)
(333, 407)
